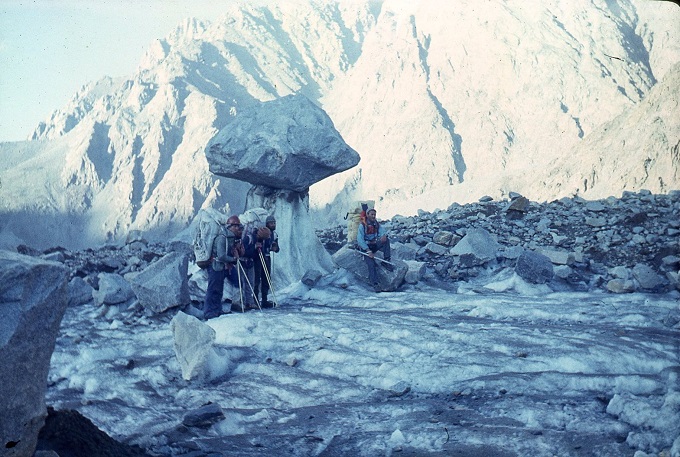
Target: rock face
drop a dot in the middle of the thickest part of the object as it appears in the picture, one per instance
(163, 284)
(33, 299)
(288, 143)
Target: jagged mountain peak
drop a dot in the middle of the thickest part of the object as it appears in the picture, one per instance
(444, 101)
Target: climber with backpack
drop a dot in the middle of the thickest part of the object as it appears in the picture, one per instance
(371, 238)
(251, 240)
(226, 251)
(269, 242)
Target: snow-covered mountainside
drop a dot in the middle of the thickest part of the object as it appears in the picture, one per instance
(443, 100)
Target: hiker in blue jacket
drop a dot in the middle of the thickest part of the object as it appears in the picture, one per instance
(226, 252)
(371, 238)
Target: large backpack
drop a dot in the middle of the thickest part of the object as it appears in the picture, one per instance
(355, 217)
(207, 227)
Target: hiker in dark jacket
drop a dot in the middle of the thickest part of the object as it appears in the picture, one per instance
(263, 272)
(250, 248)
(371, 238)
(227, 250)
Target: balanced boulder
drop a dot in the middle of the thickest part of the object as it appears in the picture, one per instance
(288, 143)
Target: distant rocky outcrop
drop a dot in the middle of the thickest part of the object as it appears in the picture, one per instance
(33, 299)
(617, 245)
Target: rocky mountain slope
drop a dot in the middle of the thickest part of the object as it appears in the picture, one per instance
(444, 101)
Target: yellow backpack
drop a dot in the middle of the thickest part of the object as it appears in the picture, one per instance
(355, 217)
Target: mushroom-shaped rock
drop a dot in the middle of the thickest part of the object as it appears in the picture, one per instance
(288, 143)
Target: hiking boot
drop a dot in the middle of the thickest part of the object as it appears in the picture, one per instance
(267, 304)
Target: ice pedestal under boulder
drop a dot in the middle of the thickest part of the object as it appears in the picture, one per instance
(301, 250)
(33, 299)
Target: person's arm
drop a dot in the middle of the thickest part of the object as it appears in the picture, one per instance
(361, 237)
(223, 251)
(275, 242)
(249, 245)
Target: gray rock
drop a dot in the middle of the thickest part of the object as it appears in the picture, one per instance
(163, 284)
(596, 221)
(621, 286)
(33, 299)
(135, 236)
(113, 290)
(673, 279)
(671, 261)
(193, 343)
(558, 257)
(311, 278)
(620, 272)
(416, 271)
(204, 417)
(443, 237)
(79, 292)
(288, 143)
(647, 277)
(595, 207)
(520, 204)
(563, 271)
(534, 267)
(437, 249)
(56, 256)
(512, 252)
(353, 261)
(404, 251)
(477, 242)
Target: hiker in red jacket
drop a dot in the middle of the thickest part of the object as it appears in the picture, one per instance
(372, 237)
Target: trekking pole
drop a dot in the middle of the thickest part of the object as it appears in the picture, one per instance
(251, 287)
(269, 279)
(240, 289)
(375, 258)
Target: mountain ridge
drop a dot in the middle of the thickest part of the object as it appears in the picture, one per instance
(439, 113)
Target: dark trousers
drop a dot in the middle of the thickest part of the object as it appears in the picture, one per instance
(370, 263)
(261, 282)
(212, 306)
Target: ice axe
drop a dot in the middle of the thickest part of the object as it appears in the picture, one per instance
(375, 258)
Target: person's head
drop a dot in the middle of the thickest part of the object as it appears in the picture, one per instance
(271, 223)
(370, 214)
(234, 225)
